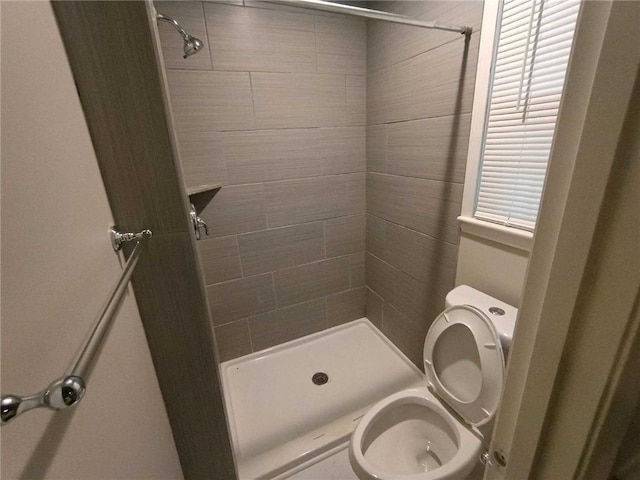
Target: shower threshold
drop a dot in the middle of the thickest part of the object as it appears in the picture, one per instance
(297, 403)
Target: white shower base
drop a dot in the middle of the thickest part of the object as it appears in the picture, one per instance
(281, 422)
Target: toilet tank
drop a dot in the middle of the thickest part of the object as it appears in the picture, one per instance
(501, 314)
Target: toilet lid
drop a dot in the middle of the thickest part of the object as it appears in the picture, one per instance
(464, 363)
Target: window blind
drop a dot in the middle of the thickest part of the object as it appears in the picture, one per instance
(529, 68)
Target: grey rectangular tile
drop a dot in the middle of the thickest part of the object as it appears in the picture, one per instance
(373, 308)
(375, 238)
(191, 17)
(431, 261)
(257, 39)
(346, 306)
(267, 155)
(242, 298)
(389, 43)
(377, 148)
(233, 340)
(271, 250)
(390, 93)
(404, 334)
(356, 100)
(315, 280)
(343, 149)
(287, 324)
(444, 79)
(356, 193)
(298, 201)
(290, 100)
(341, 36)
(434, 148)
(380, 277)
(219, 259)
(208, 101)
(236, 209)
(202, 158)
(345, 235)
(357, 275)
(417, 301)
(427, 206)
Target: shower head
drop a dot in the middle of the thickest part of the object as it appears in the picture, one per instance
(191, 44)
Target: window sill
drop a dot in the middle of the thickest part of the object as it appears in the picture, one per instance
(511, 237)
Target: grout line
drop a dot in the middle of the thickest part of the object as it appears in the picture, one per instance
(417, 178)
(253, 101)
(239, 257)
(412, 230)
(206, 29)
(420, 119)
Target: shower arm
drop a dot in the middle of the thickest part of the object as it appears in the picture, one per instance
(173, 22)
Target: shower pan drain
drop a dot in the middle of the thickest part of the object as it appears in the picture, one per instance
(320, 378)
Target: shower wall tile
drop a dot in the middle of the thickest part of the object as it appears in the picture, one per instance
(233, 340)
(311, 199)
(436, 83)
(242, 298)
(345, 235)
(191, 17)
(271, 250)
(343, 149)
(341, 44)
(426, 259)
(267, 155)
(434, 148)
(427, 206)
(346, 306)
(356, 100)
(236, 209)
(377, 148)
(373, 308)
(210, 101)
(220, 259)
(406, 335)
(287, 324)
(202, 158)
(380, 277)
(308, 282)
(389, 43)
(357, 276)
(290, 100)
(419, 96)
(275, 111)
(256, 39)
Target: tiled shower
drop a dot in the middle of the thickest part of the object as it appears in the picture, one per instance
(340, 147)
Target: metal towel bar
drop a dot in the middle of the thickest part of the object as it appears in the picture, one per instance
(69, 389)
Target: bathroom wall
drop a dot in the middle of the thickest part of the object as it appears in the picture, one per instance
(419, 96)
(274, 110)
(58, 267)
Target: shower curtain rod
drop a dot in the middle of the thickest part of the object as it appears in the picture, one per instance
(374, 14)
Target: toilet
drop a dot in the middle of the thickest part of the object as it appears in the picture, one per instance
(438, 430)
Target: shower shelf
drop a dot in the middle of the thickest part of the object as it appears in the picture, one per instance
(203, 188)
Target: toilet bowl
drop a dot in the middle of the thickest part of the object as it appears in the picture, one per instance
(430, 432)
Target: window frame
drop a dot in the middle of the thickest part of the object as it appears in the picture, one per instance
(510, 236)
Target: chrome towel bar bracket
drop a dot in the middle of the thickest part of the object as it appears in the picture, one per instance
(69, 389)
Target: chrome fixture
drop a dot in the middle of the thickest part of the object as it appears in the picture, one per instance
(69, 389)
(191, 44)
(197, 222)
(373, 14)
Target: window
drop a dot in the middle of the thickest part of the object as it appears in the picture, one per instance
(516, 120)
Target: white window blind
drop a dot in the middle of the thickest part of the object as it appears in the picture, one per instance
(529, 68)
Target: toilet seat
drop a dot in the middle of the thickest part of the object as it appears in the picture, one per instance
(464, 363)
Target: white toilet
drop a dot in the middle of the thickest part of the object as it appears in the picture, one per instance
(431, 432)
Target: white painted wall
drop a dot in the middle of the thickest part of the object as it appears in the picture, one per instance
(57, 268)
(494, 268)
